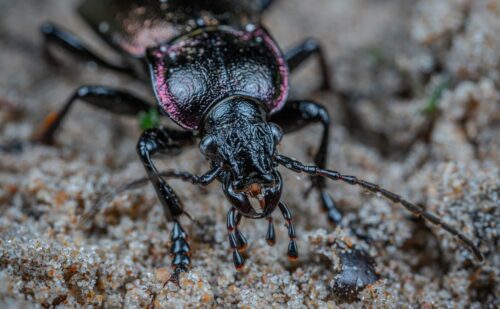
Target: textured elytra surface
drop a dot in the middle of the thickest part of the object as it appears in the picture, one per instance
(195, 72)
(377, 49)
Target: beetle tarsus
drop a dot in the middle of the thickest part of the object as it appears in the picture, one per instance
(180, 250)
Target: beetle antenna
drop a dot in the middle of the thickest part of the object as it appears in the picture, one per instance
(416, 210)
(107, 197)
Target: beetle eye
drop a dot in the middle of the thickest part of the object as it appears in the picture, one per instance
(277, 133)
(208, 146)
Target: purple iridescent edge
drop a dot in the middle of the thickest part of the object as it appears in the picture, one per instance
(170, 106)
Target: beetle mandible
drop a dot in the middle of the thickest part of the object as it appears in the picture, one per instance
(218, 74)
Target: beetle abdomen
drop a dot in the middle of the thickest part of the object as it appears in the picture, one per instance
(198, 70)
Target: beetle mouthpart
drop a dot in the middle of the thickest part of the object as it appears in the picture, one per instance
(258, 201)
(254, 189)
(262, 201)
(257, 191)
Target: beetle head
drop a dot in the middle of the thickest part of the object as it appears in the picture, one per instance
(237, 135)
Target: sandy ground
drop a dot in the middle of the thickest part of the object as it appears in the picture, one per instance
(415, 108)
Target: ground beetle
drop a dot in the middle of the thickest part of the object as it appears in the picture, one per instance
(218, 74)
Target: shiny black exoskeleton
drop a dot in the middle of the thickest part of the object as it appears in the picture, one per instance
(218, 74)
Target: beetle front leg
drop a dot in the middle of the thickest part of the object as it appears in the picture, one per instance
(300, 53)
(296, 115)
(167, 141)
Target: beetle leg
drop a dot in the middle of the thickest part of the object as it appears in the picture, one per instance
(296, 115)
(167, 141)
(292, 251)
(53, 35)
(113, 100)
(180, 251)
(298, 54)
